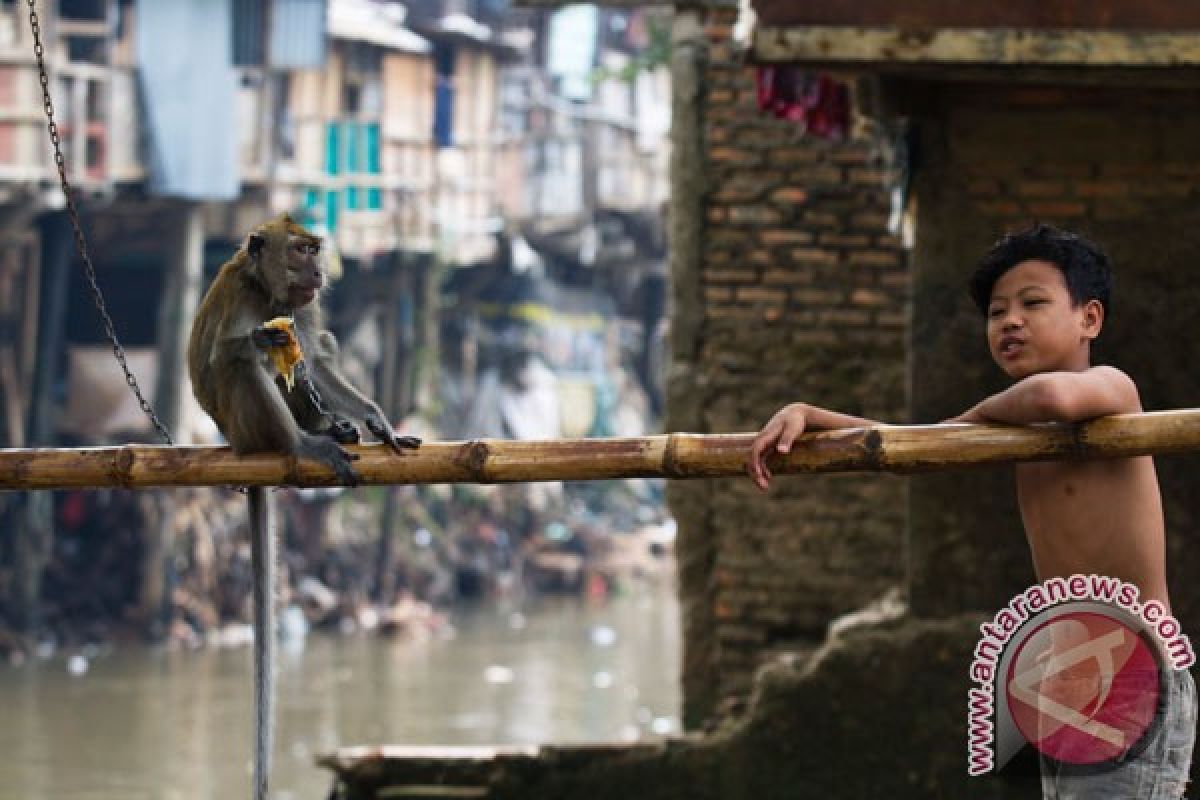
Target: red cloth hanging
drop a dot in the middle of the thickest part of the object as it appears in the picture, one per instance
(815, 101)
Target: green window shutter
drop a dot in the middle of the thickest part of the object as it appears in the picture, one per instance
(332, 162)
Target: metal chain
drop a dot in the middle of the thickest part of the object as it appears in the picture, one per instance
(88, 270)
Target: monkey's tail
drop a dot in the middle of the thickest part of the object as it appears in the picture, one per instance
(262, 556)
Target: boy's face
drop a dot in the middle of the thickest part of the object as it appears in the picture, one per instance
(1032, 326)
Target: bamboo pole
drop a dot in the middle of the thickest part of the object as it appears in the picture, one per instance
(888, 448)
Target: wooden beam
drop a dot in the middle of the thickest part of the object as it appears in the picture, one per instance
(857, 45)
(1160, 15)
(887, 448)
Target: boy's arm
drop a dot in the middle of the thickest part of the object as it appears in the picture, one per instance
(1058, 397)
(783, 428)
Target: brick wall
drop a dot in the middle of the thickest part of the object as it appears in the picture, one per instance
(799, 292)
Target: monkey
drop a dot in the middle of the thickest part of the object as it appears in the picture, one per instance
(277, 272)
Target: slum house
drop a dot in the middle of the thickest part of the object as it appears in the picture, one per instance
(322, 109)
(131, 150)
(583, 167)
(831, 190)
(357, 161)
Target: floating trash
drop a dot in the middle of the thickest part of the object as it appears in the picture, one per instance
(77, 665)
(293, 625)
(498, 674)
(602, 680)
(603, 636)
(662, 725)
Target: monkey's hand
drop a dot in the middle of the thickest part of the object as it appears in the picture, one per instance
(379, 426)
(343, 431)
(327, 451)
(265, 338)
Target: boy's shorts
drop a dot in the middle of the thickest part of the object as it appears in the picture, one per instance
(1158, 772)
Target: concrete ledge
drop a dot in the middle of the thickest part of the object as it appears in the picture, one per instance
(850, 45)
(878, 711)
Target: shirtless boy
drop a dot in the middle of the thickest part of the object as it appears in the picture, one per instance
(1044, 293)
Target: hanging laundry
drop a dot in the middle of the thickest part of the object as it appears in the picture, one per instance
(815, 101)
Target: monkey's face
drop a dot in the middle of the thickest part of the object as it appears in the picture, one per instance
(303, 270)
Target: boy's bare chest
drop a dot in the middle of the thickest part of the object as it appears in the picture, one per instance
(1089, 501)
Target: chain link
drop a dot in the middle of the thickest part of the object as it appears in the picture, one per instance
(88, 270)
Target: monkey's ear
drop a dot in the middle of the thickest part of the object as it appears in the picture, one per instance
(255, 242)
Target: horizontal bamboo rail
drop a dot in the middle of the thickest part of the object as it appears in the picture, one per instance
(889, 448)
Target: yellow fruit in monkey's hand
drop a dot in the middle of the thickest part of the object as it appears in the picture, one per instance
(286, 357)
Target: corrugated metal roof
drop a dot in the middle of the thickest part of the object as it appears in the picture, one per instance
(376, 23)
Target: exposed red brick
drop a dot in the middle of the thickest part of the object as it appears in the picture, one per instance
(789, 276)
(733, 155)
(843, 317)
(861, 154)
(738, 191)
(794, 155)
(818, 297)
(874, 258)
(759, 294)
(730, 276)
(870, 176)
(870, 297)
(819, 174)
(730, 312)
(814, 255)
(821, 219)
(844, 239)
(755, 215)
(790, 194)
(773, 237)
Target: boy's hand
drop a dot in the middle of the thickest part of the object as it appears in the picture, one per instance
(970, 416)
(780, 432)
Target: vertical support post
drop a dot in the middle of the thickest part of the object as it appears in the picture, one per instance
(181, 292)
(392, 358)
(695, 550)
(33, 539)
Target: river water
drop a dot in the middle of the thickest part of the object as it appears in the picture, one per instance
(142, 723)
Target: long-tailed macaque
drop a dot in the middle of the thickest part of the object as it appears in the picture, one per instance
(277, 273)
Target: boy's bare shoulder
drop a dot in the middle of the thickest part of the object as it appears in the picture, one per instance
(1093, 392)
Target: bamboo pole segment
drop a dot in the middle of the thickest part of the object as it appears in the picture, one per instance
(890, 448)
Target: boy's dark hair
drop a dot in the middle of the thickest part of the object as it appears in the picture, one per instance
(1085, 267)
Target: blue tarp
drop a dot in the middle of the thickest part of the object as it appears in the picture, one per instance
(184, 53)
(297, 34)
